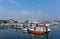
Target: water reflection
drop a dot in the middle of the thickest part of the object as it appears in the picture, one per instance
(7, 32)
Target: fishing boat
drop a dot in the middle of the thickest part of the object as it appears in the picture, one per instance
(41, 30)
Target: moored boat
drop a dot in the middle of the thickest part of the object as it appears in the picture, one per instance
(39, 30)
(36, 32)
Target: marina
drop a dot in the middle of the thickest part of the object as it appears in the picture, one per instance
(34, 30)
(29, 19)
(19, 34)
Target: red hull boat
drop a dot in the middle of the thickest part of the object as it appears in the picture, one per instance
(36, 32)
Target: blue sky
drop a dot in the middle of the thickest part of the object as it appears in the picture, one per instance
(30, 9)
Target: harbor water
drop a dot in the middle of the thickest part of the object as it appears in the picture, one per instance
(18, 34)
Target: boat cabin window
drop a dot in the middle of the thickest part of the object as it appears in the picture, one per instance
(5, 22)
(36, 25)
(24, 26)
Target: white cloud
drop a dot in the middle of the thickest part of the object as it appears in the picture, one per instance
(22, 12)
(14, 2)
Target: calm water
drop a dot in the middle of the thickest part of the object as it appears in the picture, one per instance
(13, 34)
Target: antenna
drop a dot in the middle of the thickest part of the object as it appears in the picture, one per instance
(39, 10)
